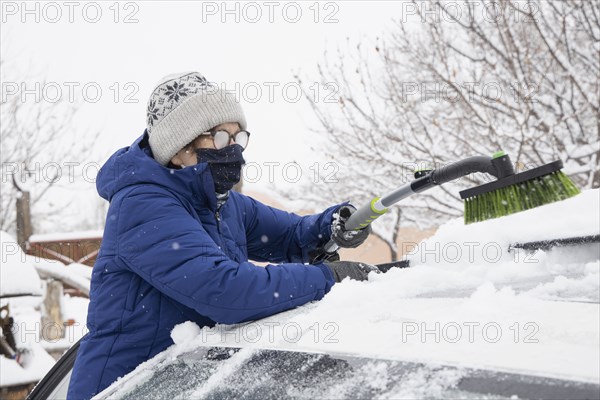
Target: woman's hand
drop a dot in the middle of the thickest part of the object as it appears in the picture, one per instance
(343, 237)
(357, 271)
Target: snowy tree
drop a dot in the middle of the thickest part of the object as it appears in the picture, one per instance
(40, 151)
(454, 80)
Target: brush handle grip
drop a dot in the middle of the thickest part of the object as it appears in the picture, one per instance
(366, 214)
(359, 219)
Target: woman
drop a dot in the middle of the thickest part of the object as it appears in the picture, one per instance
(177, 240)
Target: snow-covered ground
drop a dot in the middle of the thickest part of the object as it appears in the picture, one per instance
(466, 301)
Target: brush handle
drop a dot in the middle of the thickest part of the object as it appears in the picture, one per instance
(378, 206)
(498, 166)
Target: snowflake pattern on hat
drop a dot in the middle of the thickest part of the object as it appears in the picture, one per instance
(172, 92)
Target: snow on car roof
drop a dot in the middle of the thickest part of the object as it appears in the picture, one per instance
(466, 301)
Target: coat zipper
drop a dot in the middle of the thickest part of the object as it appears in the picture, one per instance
(222, 246)
(218, 218)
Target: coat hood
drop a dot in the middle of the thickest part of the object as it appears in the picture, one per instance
(135, 165)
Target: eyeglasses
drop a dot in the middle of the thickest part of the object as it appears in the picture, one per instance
(221, 138)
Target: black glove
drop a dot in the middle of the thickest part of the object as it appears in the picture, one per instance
(354, 270)
(340, 235)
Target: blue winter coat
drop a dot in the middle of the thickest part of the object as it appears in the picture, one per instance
(167, 257)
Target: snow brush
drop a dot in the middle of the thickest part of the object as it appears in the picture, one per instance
(517, 192)
(508, 194)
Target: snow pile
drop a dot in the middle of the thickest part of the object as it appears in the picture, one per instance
(184, 333)
(22, 290)
(70, 275)
(75, 308)
(459, 258)
(488, 242)
(465, 301)
(577, 216)
(491, 329)
(10, 370)
(17, 275)
(33, 360)
(82, 270)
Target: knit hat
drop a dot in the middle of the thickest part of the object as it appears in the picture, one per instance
(181, 107)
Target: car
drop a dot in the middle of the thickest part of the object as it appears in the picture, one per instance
(461, 322)
(250, 373)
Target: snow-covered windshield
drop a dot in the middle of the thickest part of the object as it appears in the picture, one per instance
(219, 373)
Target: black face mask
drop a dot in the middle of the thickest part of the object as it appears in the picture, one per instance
(225, 165)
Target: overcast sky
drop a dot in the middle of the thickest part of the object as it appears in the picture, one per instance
(257, 53)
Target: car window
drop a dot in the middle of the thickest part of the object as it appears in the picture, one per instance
(223, 372)
(277, 374)
(179, 377)
(217, 373)
(60, 391)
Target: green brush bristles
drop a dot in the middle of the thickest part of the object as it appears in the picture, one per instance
(523, 196)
